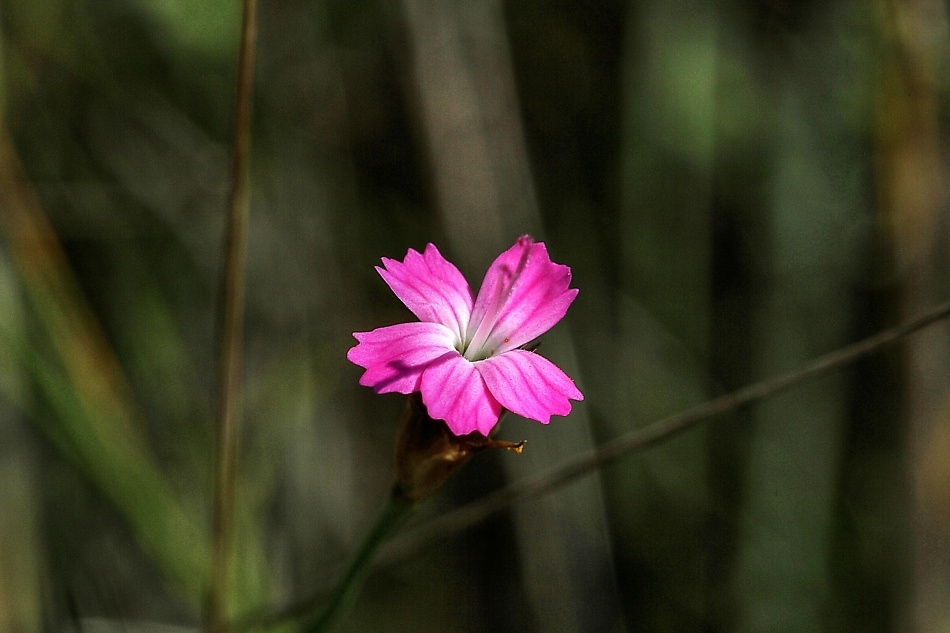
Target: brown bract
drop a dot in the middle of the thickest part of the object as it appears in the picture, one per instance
(428, 453)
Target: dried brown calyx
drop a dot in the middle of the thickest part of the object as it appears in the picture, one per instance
(428, 453)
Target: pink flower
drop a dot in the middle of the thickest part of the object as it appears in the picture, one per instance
(465, 354)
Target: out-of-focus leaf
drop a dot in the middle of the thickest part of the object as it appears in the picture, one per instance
(21, 553)
(209, 26)
(89, 414)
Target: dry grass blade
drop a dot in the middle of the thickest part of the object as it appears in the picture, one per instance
(232, 334)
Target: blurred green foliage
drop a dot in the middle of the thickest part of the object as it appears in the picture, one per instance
(738, 187)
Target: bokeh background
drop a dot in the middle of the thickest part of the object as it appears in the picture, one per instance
(738, 186)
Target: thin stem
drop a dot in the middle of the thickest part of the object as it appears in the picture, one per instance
(346, 591)
(232, 334)
(613, 450)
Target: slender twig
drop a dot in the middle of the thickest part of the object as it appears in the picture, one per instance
(622, 446)
(477, 511)
(232, 334)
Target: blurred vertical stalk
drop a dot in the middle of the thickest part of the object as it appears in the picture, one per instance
(468, 109)
(22, 558)
(20, 592)
(808, 254)
(232, 335)
(912, 190)
(672, 58)
(462, 76)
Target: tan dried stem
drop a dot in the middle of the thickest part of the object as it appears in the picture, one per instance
(232, 336)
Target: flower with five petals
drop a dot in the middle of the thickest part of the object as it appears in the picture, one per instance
(465, 354)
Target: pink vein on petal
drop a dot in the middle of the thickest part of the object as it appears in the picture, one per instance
(431, 287)
(529, 385)
(537, 296)
(453, 390)
(394, 357)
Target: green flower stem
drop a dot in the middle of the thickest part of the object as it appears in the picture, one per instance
(398, 508)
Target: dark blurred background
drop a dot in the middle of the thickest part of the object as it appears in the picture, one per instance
(738, 186)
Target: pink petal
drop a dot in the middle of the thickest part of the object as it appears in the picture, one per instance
(523, 295)
(529, 385)
(453, 390)
(431, 287)
(394, 357)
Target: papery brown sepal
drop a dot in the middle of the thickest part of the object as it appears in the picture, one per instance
(428, 453)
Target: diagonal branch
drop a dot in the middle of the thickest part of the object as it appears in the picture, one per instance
(614, 450)
(622, 446)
